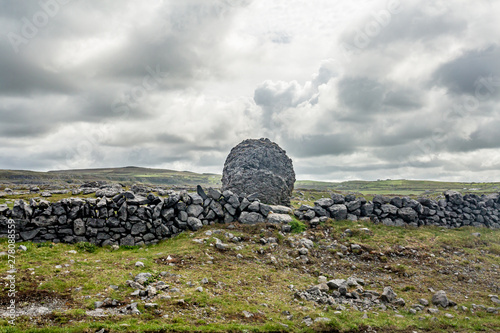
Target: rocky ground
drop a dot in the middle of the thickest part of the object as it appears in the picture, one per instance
(339, 276)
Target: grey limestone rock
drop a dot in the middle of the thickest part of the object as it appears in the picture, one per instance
(251, 218)
(454, 197)
(79, 227)
(388, 295)
(194, 223)
(440, 299)
(408, 214)
(338, 211)
(262, 168)
(279, 218)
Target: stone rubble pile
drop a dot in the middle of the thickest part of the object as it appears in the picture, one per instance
(350, 293)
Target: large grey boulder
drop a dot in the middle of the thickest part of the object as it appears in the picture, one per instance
(3, 208)
(281, 209)
(262, 168)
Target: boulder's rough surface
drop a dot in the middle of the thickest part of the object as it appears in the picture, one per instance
(260, 167)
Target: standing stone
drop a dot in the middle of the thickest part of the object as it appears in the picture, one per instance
(260, 167)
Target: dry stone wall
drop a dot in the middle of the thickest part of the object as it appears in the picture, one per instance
(453, 211)
(129, 218)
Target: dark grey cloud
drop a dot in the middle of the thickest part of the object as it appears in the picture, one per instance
(167, 53)
(404, 99)
(171, 138)
(361, 94)
(475, 73)
(320, 145)
(367, 97)
(485, 136)
(404, 21)
(20, 75)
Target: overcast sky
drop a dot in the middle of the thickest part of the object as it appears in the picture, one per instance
(350, 89)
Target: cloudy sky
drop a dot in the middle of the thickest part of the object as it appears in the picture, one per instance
(350, 89)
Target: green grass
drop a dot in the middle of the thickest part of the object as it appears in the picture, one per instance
(399, 187)
(238, 284)
(297, 225)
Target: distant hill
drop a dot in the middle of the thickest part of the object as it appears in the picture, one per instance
(125, 175)
(398, 187)
(163, 177)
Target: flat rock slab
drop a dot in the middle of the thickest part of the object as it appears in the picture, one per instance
(279, 218)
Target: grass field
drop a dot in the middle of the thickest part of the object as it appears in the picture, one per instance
(126, 176)
(170, 178)
(399, 187)
(249, 279)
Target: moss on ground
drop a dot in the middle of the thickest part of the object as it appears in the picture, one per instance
(257, 279)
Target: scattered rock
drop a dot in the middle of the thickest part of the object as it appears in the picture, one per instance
(335, 283)
(433, 310)
(322, 320)
(247, 314)
(142, 277)
(388, 295)
(440, 299)
(307, 243)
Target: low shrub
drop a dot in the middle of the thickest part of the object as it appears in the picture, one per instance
(87, 247)
(297, 226)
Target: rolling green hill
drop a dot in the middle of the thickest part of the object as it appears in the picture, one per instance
(125, 175)
(131, 175)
